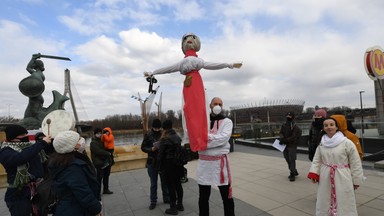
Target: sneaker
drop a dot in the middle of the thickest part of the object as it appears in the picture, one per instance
(291, 178)
(152, 206)
(171, 211)
(180, 207)
(107, 192)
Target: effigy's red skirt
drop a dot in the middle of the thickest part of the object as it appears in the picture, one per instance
(195, 111)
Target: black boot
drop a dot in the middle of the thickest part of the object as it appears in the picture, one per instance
(291, 177)
(171, 211)
(180, 207)
(107, 191)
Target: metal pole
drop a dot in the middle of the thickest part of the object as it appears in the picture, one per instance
(9, 111)
(362, 121)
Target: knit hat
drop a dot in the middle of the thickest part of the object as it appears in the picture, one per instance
(97, 130)
(65, 141)
(156, 123)
(321, 112)
(12, 131)
(167, 124)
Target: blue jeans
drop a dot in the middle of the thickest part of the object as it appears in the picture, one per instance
(153, 175)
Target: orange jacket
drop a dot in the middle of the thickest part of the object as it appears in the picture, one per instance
(342, 124)
(108, 139)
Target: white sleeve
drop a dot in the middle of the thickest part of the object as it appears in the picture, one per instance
(216, 66)
(222, 136)
(169, 69)
(354, 163)
(316, 162)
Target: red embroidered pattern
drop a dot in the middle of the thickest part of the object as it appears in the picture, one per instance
(333, 205)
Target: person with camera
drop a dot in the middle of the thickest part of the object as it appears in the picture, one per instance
(149, 146)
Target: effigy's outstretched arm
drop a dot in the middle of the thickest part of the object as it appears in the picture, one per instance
(164, 70)
(217, 66)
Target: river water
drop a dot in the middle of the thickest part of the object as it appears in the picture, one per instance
(132, 139)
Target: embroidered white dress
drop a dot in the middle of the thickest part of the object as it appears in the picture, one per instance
(347, 171)
(208, 171)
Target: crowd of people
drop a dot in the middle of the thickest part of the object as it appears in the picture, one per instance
(336, 155)
(334, 151)
(77, 179)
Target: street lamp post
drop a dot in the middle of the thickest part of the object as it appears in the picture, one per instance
(362, 121)
(9, 111)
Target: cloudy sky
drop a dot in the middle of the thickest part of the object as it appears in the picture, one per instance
(291, 49)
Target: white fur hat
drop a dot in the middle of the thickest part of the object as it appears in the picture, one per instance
(65, 141)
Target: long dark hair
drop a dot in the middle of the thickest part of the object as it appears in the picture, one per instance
(327, 118)
(61, 160)
(64, 160)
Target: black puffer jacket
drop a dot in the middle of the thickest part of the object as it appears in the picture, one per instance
(166, 155)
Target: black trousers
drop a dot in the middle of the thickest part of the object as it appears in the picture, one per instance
(290, 158)
(205, 193)
(103, 177)
(172, 176)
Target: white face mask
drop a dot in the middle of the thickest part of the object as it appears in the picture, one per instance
(216, 110)
(98, 135)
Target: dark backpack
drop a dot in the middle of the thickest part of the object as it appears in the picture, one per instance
(180, 155)
(45, 199)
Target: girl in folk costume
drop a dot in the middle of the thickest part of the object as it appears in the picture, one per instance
(195, 112)
(337, 168)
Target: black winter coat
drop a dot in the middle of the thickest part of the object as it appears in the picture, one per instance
(314, 137)
(11, 159)
(166, 155)
(290, 134)
(98, 153)
(147, 144)
(77, 188)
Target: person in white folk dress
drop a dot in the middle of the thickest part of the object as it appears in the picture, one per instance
(337, 169)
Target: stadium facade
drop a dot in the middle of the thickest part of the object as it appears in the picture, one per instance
(266, 111)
